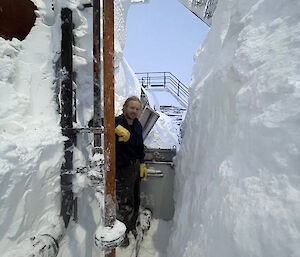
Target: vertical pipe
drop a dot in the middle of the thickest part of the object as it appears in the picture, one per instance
(67, 113)
(97, 70)
(109, 114)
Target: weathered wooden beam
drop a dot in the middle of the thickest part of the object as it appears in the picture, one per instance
(109, 114)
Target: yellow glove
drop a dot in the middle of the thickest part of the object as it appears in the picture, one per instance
(123, 133)
(143, 171)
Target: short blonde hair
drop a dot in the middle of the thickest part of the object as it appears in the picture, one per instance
(131, 98)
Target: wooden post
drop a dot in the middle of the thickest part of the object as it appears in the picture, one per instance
(109, 114)
(108, 95)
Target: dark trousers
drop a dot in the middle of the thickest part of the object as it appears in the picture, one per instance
(128, 194)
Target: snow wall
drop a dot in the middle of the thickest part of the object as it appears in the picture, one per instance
(31, 145)
(238, 180)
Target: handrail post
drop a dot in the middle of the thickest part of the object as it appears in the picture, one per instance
(143, 82)
(169, 81)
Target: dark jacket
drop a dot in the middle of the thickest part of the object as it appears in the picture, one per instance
(133, 149)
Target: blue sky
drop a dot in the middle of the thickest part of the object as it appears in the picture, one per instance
(163, 35)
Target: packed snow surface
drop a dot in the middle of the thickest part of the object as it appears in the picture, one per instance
(154, 243)
(238, 181)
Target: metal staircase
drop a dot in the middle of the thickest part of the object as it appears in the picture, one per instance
(167, 82)
(203, 9)
(174, 112)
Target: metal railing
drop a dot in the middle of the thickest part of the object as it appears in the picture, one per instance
(203, 9)
(165, 80)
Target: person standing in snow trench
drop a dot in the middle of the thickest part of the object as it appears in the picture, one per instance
(130, 166)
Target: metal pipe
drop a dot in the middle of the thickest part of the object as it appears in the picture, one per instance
(109, 114)
(97, 72)
(67, 114)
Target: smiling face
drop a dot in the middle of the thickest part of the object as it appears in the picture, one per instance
(131, 111)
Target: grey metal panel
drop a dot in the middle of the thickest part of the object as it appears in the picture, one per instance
(157, 191)
(159, 155)
(147, 119)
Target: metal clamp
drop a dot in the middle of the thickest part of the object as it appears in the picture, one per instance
(95, 130)
(86, 5)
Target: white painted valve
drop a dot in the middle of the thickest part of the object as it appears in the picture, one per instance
(107, 238)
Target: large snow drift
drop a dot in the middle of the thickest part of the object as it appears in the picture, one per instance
(238, 180)
(31, 145)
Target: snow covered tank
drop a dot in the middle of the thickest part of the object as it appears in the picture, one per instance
(157, 190)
